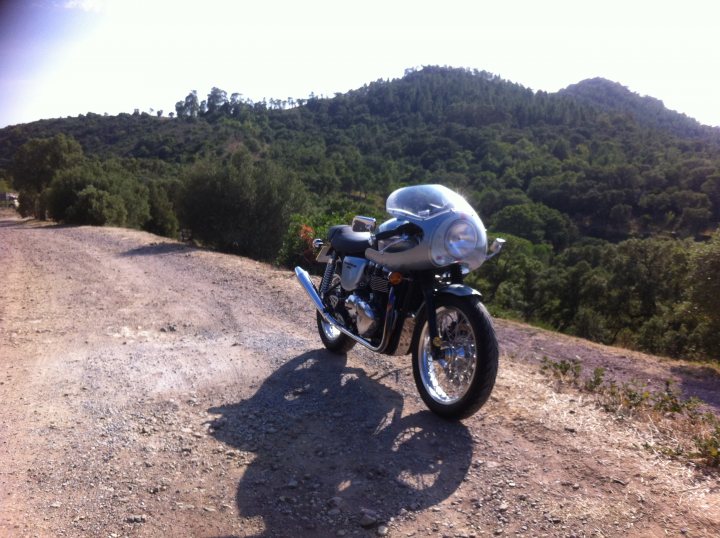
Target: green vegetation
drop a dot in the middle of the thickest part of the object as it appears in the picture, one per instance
(610, 201)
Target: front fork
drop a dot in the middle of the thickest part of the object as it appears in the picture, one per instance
(435, 340)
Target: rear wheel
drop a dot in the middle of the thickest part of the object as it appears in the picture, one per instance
(333, 339)
(460, 381)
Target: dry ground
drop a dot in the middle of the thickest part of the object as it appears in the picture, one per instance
(152, 389)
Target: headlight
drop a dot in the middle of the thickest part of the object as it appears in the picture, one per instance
(461, 239)
(456, 241)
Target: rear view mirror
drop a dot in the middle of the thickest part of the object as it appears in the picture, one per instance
(363, 224)
(496, 247)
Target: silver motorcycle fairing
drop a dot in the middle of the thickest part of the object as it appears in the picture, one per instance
(448, 231)
(391, 315)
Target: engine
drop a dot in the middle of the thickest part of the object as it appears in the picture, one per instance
(362, 314)
(368, 285)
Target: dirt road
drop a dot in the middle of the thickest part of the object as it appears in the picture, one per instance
(152, 389)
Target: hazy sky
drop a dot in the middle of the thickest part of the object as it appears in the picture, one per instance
(68, 57)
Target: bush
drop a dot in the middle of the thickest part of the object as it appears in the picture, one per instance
(98, 208)
(163, 220)
(109, 196)
(27, 203)
(241, 206)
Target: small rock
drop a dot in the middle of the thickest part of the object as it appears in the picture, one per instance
(382, 530)
(368, 518)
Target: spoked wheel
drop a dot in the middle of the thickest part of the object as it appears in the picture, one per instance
(333, 339)
(460, 381)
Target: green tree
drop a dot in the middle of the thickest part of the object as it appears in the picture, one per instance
(705, 278)
(537, 223)
(98, 208)
(240, 205)
(108, 177)
(189, 107)
(39, 159)
(217, 101)
(163, 220)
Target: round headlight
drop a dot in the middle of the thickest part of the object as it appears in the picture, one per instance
(461, 239)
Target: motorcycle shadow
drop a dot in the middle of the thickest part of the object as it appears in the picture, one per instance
(325, 448)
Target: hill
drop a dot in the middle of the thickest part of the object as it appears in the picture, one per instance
(608, 197)
(613, 97)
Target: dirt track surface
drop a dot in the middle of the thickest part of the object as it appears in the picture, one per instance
(153, 389)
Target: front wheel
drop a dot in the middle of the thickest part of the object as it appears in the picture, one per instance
(460, 381)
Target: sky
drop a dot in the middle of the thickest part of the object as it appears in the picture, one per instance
(68, 57)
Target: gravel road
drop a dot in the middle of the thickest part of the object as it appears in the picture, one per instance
(150, 388)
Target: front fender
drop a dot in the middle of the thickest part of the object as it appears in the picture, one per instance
(458, 290)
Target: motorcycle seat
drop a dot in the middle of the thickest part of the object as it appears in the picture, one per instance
(345, 241)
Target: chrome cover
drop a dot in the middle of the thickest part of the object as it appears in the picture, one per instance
(363, 315)
(353, 271)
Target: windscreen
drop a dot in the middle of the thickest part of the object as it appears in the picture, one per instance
(425, 202)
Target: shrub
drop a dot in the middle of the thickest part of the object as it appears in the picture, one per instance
(163, 220)
(98, 208)
(111, 196)
(241, 206)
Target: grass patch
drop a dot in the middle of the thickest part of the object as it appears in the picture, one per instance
(679, 428)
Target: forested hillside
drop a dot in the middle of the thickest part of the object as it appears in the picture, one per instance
(610, 201)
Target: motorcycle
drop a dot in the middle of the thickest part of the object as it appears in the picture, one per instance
(397, 288)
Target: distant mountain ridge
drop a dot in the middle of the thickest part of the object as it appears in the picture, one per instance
(648, 111)
(431, 95)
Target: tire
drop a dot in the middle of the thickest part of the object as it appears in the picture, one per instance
(460, 386)
(332, 338)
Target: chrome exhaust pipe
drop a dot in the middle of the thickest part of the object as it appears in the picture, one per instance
(304, 278)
